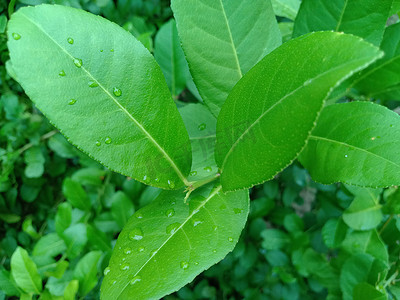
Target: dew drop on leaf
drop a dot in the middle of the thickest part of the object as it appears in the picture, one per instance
(78, 62)
(136, 279)
(146, 179)
(98, 143)
(202, 126)
(108, 141)
(70, 40)
(127, 251)
(171, 184)
(196, 222)
(208, 169)
(171, 228)
(106, 271)
(141, 249)
(72, 102)
(139, 216)
(345, 155)
(93, 84)
(307, 82)
(215, 227)
(136, 234)
(170, 213)
(117, 92)
(214, 251)
(16, 36)
(184, 265)
(124, 267)
(62, 73)
(157, 179)
(196, 263)
(193, 173)
(230, 239)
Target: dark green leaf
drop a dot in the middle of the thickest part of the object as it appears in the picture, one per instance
(75, 194)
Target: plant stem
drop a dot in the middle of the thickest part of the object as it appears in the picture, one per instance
(192, 186)
(386, 224)
(42, 138)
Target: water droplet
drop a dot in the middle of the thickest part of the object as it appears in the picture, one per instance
(208, 169)
(171, 228)
(171, 184)
(136, 234)
(195, 211)
(117, 92)
(346, 156)
(112, 50)
(108, 140)
(157, 179)
(146, 179)
(72, 102)
(139, 216)
(16, 36)
(93, 84)
(124, 267)
(170, 213)
(127, 251)
(202, 126)
(196, 263)
(136, 279)
(215, 227)
(307, 82)
(230, 239)
(141, 249)
(237, 210)
(193, 173)
(114, 282)
(152, 253)
(184, 265)
(78, 62)
(196, 222)
(373, 138)
(62, 73)
(214, 251)
(70, 40)
(98, 143)
(106, 271)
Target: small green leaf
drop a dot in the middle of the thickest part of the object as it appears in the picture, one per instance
(75, 194)
(63, 218)
(71, 290)
(260, 130)
(356, 143)
(8, 284)
(364, 212)
(49, 245)
(157, 253)
(34, 162)
(24, 272)
(364, 291)
(169, 55)
(367, 20)
(103, 90)
(222, 40)
(121, 208)
(86, 272)
(75, 237)
(286, 8)
(334, 232)
(274, 239)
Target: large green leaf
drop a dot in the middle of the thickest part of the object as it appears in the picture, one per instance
(167, 243)
(269, 114)
(382, 79)
(170, 57)
(356, 143)
(103, 90)
(201, 125)
(24, 272)
(366, 18)
(222, 40)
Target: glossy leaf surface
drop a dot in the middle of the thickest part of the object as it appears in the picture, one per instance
(355, 143)
(222, 40)
(366, 18)
(24, 272)
(162, 249)
(103, 90)
(268, 116)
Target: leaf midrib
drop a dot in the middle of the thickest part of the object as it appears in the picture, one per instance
(276, 104)
(146, 133)
(205, 201)
(341, 15)
(355, 147)
(30, 274)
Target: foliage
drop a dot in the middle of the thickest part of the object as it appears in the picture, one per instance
(74, 228)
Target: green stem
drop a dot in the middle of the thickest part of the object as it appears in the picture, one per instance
(11, 8)
(386, 224)
(192, 186)
(42, 138)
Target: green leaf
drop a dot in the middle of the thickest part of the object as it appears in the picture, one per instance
(89, 176)
(60, 145)
(395, 7)
(157, 254)
(382, 79)
(7, 284)
(367, 20)
(286, 8)
(169, 55)
(49, 245)
(34, 162)
(71, 290)
(260, 130)
(364, 213)
(364, 291)
(392, 205)
(75, 237)
(334, 232)
(200, 124)
(24, 272)
(75, 194)
(356, 143)
(86, 272)
(121, 208)
(63, 218)
(274, 239)
(222, 40)
(103, 90)
(98, 239)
